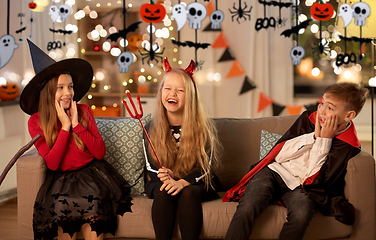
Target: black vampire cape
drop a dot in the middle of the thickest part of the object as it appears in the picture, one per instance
(326, 187)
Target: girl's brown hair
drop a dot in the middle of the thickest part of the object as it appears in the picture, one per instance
(198, 140)
(48, 119)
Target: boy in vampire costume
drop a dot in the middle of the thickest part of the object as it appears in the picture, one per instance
(305, 169)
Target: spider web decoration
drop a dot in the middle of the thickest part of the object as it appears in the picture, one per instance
(125, 59)
(360, 11)
(271, 22)
(21, 29)
(151, 53)
(8, 43)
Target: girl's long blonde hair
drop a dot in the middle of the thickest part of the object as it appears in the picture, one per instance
(198, 138)
(48, 119)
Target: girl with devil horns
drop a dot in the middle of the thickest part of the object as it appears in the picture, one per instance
(81, 191)
(186, 142)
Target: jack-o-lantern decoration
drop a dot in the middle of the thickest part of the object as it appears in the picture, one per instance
(152, 13)
(9, 91)
(322, 11)
(134, 42)
(32, 5)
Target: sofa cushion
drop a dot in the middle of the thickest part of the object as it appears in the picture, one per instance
(267, 142)
(124, 151)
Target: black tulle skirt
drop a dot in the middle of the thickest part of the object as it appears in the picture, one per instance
(94, 194)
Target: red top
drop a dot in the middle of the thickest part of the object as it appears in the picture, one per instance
(65, 155)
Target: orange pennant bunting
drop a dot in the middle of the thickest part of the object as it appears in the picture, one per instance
(264, 101)
(294, 110)
(220, 42)
(209, 8)
(235, 70)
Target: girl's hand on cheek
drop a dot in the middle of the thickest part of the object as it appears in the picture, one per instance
(73, 113)
(63, 117)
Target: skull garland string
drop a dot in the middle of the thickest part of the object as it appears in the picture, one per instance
(360, 11)
(152, 13)
(7, 43)
(125, 59)
(297, 52)
(61, 13)
(195, 12)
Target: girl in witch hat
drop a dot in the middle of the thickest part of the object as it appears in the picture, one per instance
(81, 192)
(186, 143)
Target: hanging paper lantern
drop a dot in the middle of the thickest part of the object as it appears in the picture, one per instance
(9, 91)
(322, 11)
(152, 13)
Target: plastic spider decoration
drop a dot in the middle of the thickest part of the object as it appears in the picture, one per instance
(199, 65)
(240, 12)
(281, 22)
(322, 48)
(152, 54)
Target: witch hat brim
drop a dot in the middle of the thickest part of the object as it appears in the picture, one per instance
(45, 69)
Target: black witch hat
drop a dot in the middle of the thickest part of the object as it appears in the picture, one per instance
(45, 69)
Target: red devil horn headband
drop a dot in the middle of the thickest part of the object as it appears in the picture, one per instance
(189, 70)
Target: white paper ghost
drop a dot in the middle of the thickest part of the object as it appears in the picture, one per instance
(7, 47)
(179, 13)
(54, 12)
(345, 12)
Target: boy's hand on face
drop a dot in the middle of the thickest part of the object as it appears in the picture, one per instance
(317, 125)
(330, 127)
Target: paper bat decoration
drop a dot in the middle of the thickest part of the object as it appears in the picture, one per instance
(61, 31)
(356, 39)
(191, 44)
(123, 33)
(295, 29)
(21, 30)
(275, 3)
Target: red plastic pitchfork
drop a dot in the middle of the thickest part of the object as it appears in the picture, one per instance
(138, 116)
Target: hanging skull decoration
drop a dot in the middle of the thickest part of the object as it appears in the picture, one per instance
(196, 14)
(297, 53)
(216, 17)
(361, 11)
(124, 60)
(64, 12)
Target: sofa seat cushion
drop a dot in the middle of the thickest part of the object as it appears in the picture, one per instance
(217, 217)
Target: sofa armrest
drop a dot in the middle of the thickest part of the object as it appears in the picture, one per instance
(360, 191)
(31, 173)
